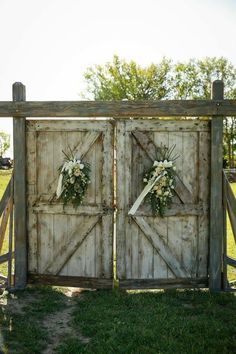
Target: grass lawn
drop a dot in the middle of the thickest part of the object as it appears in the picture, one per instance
(49, 320)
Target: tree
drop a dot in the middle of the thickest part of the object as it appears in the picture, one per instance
(192, 80)
(119, 80)
(4, 142)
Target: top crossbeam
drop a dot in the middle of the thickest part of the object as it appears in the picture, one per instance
(165, 108)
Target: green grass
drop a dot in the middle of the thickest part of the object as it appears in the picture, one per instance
(22, 327)
(153, 322)
(107, 322)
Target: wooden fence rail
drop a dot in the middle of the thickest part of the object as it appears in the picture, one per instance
(6, 215)
(230, 207)
(166, 108)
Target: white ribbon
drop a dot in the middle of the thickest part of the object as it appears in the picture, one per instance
(143, 194)
(59, 184)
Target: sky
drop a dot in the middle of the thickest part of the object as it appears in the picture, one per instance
(48, 44)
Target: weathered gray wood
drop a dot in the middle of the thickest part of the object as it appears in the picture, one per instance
(162, 248)
(10, 238)
(216, 209)
(82, 282)
(52, 226)
(5, 257)
(204, 189)
(66, 251)
(5, 198)
(58, 208)
(4, 222)
(165, 108)
(178, 209)
(121, 207)
(20, 191)
(108, 202)
(231, 205)
(225, 268)
(163, 283)
(168, 125)
(230, 261)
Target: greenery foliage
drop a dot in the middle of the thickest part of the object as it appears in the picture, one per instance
(163, 169)
(75, 180)
(122, 80)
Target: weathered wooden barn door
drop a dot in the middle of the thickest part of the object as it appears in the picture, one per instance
(68, 246)
(157, 252)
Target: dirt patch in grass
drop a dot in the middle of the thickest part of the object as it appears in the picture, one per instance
(58, 325)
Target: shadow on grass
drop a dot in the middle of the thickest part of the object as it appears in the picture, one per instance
(21, 319)
(120, 322)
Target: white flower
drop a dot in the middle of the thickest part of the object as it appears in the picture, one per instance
(145, 180)
(77, 172)
(155, 163)
(72, 180)
(81, 166)
(174, 168)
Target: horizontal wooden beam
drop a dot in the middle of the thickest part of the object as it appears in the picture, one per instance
(177, 210)
(166, 108)
(61, 280)
(163, 283)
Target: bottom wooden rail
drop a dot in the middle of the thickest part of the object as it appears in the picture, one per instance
(176, 283)
(61, 280)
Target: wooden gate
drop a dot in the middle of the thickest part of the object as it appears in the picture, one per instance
(68, 246)
(170, 251)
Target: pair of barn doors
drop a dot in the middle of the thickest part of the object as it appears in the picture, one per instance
(86, 246)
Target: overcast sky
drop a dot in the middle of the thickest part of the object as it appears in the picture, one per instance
(48, 44)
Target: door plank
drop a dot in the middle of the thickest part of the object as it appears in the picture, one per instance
(162, 248)
(66, 251)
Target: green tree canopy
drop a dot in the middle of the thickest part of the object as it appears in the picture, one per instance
(119, 80)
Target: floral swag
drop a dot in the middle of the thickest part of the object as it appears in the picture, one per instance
(73, 180)
(159, 183)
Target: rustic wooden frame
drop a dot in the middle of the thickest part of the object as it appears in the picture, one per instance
(215, 108)
(20, 191)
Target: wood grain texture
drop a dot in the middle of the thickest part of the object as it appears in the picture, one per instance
(138, 255)
(61, 239)
(163, 283)
(82, 282)
(68, 249)
(20, 232)
(161, 247)
(5, 198)
(216, 211)
(165, 108)
(121, 207)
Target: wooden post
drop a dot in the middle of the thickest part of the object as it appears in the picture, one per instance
(20, 191)
(216, 204)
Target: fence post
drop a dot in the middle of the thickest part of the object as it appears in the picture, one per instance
(19, 139)
(216, 204)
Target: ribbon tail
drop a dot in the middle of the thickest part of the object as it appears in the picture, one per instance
(59, 184)
(143, 194)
